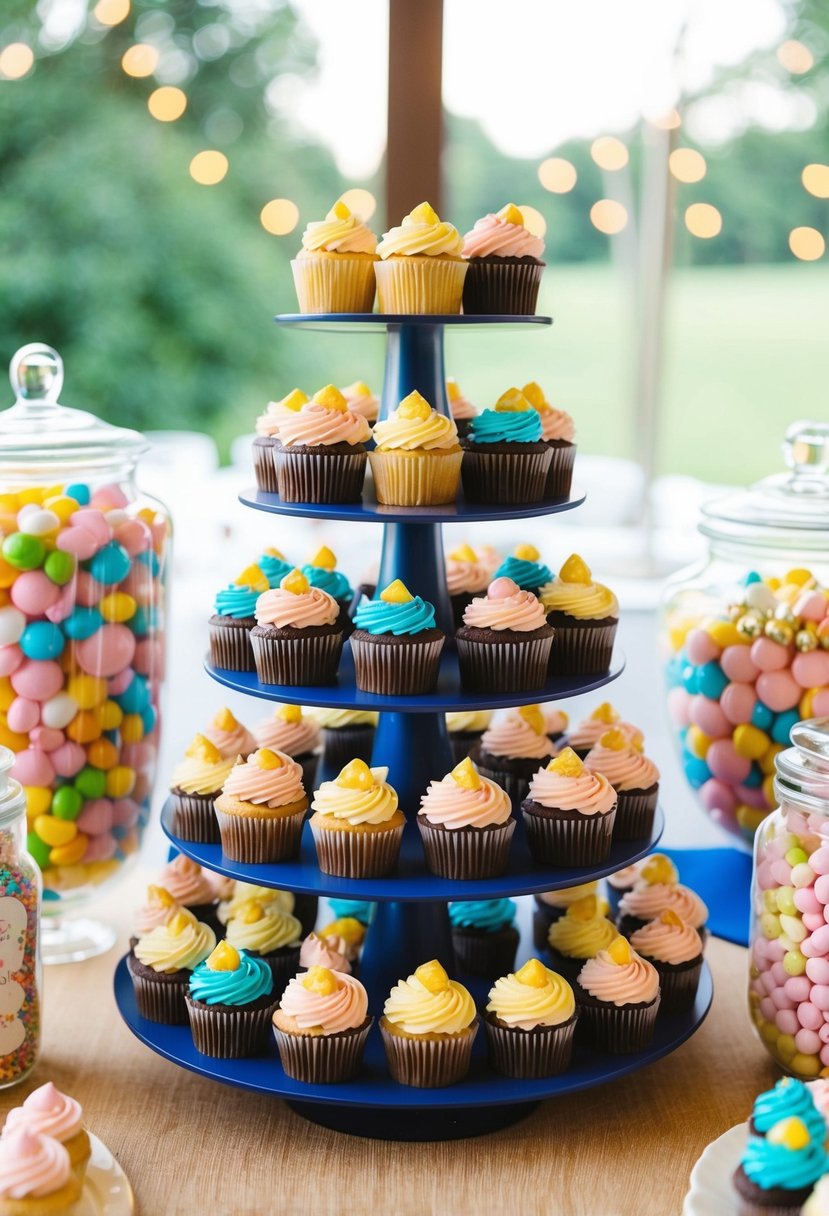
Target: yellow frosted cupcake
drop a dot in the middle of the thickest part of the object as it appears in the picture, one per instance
(530, 1022)
(357, 825)
(421, 268)
(417, 458)
(580, 934)
(334, 270)
(194, 784)
(428, 1026)
(585, 616)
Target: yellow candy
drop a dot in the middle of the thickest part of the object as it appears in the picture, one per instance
(324, 559)
(270, 551)
(453, 392)
(586, 908)
(38, 800)
(767, 758)
(535, 395)
(799, 576)
(511, 214)
(527, 553)
(605, 713)
(750, 742)
(88, 691)
(201, 748)
(319, 979)
(120, 781)
(749, 818)
(356, 776)
(463, 553)
(414, 407)
(396, 593)
(566, 764)
(805, 1066)
(294, 401)
(102, 754)
(224, 720)
(8, 573)
(289, 713)
(725, 633)
(614, 740)
(620, 951)
(360, 389)
(697, 742)
(117, 607)
(424, 213)
(806, 702)
(348, 928)
(224, 958)
(159, 896)
(266, 758)
(340, 211)
(34, 494)
(432, 976)
(179, 923)
(330, 398)
(575, 570)
(678, 632)
(10, 738)
(466, 775)
(9, 504)
(792, 1133)
(55, 832)
(512, 401)
(62, 505)
(111, 715)
(534, 718)
(69, 854)
(295, 582)
(658, 869)
(534, 974)
(669, 917)
(250, 912)
(252, 577)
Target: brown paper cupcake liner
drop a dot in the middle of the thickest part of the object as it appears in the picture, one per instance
(320, 476)
(463, 853)
(420, 479)
(322, 1059)
(678, 984)
(347, 743)
(618, 1029)
(509, 666)
(420, 284)
(309, 659)
(635, 811)
(334, 283)
(357, 854)
(560, 473)
(160, 1000)
(396, 668)
(263, 464)
(429, 1063)
(568, 839)
(462, 743)
(530, 1054)
(230, 646)
(487, 955)
(284, 964)
(260, 840)
(580, 648)
(502, 285)
(504, 477)
(193, 818)
(230, 1034)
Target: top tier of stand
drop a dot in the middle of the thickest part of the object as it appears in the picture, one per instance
(380, 322)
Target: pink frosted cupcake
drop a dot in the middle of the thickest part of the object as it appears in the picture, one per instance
(466, 825)
(317, 951)
(588, 732)
(555, 722)
(298, 638)
(468, 573)
(261, 808)
(618, 993)
(569, 813)
(656, 892)
(36, 1178)
(288, 730)
(48, 1112)
(229, 735)
(559, 433)
(460, 407)
(321, 1026)
(159, 909)
(192, 888)
(511, 750)
(505, 265)
(504, 643)
(635, 779)
(361, 400)
(321, 455)
(267, 430)
(675, 949)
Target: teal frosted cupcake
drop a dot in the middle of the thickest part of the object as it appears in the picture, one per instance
(505, 459)
(484, 936)
(395, 644)
(230, 1003)
(785, 1154)
(526, 569)
(321, 571)
(232, 620)
(274, 566)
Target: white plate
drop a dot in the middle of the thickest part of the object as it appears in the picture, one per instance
(106, 1188)
(712, 1192)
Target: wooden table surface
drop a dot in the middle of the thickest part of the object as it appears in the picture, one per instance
(192, 1146)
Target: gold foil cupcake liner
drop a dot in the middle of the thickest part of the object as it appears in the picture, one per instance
(320, 476)
(504, 478)
(357, 854)
(429, 1063)
(420, 284)
(396, 669)
(463, 853)
(260, 839)
(334, 282)
(322, 1059)
(529, 1055)
(230, 1034)
(415, 479)
(569, 839)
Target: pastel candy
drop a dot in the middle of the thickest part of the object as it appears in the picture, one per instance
(77, 541)
(37, 680)
(68, 759)
(805, 900)
(108, 651)
(780, 1000)
(807, 1041)
(88, 591)
(738, 665)
(101, 848)
(737, 703)
(148, 657)
(63, 606)
(59, 711)
(133, 536)
(34, 768)
(813, 920)
(32, 592)
(12, 624)
(717, 795)
(125, 812)
(708, 715)
(822, 888)
(785, 1019)
(768, 1010)
(819, 860)
(10, 659)
(46, 739)
(91, 520)
(810, 670)
(817, 969)
(820, 703)
(679, 702)
(724, 762)
(812, 606)
(779, 690)
(797, 988)
(112, 494)
(23, 715)
(769, 655)
(820, 997)
(96, 817)
(816, 943)
(701, 647)
(119, 683)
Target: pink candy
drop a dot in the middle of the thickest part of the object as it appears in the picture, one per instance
(737, 702)
(778, 690)
(96, 817)
(701, 647)
(10, 659)
(708, 716)
(23, 715)
(34, 768)
(679, 702)
(101, 848)
(724, 762)
(78, 542)
(38, 680)
(810, 670)
(716, 795)
(68, 759)
(108, 651)
(770, 656)
(32, 592)
(738, 665)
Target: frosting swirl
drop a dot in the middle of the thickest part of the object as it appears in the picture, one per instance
(466, 571)
(337, 719)
(244, 892)
(506, 607)
(460, 407)
(159, 908)
(624, 766)
(648, 900)
(465, 799)
(789, 1097)
(314, 424)
(516, 737)
(235, 601)
(575, 593)
(770, 1162)
(247, 981)
(667, 941)
(187, 882)
(472, 720)
(415, 427)
(259, 781)
(341, 1006)
(555, 720)
(623, 880)
(566, 896)
(332, 581)
(590, 730)
(361, 400)
(361, 910)
(293, 734)
(578, 936)
(319, 952)
(32, 1166)
(557, 425)
(487, 914)
(47, 1112)
(263, 929)
(504, 235)
(428, 1002)
(203, 769)
(229, 735)
(181, 944)
(372, 801)
(423, 234)
(340, 232)
(305, 610)
(493, 426)
(526, 574)
(274, 567)
(533, 996)
(628, 983)
(564, 787)
(400, 619)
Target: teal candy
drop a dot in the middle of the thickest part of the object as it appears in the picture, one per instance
(762, 716)
(788, 1098)
(359, 909)
(79, 492)
(490, 426)
(332, 581)
(151, 559)
(111, 564)
(488, 914)
(696, 770)
(136, 696)
(251, 980)
(42, 640)
(82, 623)
(783, 726)
(774, 1165)
(712, 680)
(273, 568)
(528, 575)
(238, 602)
(376, 616)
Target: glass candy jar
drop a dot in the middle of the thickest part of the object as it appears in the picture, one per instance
(789, 949)
(745, 633)
(83, 564)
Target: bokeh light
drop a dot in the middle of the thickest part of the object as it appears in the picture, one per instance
(557, 175)
(795, 57)
(815, 179)
(703, 220)
(609, 153)
(359, 201)
(140, 59)
(807, 244)
(111, 12)
(534, 221)
(609, 216)
(668, 121)
(280, 216)
(209, 167)
(16, 60)
(687, 165)
(167, 103)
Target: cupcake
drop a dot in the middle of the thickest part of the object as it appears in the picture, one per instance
(36, 1178)
(512, 749)
(416, 461)
(467, 575)
(233, 618)
(550, 906)
(356, 824)
(297, 638)
(635, 779)
(421, 268)
(322, 572)
(620, 882)
(585, 616)
(428, 1026)
(347, 932)
(267, 932)
(227, 734)
(484, 936)
(346, 734)
(261, 808)
(466, 825)
(274, 565)
(655, 892)
(159, 908)
(196, 781)
(460, 407)
(526, 569)
(318, 951)
(530, 1023)
(777, 1171)
(569, 814)
(580, 934)
(48, 1112)
(230, 1002)
(505, 265)
(675, 949)
(361, 910)
(465, 728)
(396, 645)
(361, 400)
(295, 734)
(320, 456)
(243, 892)
(321, 1026)
(588, 732)
(505, 460)
(555, 722)
(267, 430)
(786, 1098)
(504, 643)
(818, 1202)
(334, 269)
(160, 963)
(191, 887)
(559, 433)
(618, 993)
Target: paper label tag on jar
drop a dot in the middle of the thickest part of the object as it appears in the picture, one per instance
(12, 994)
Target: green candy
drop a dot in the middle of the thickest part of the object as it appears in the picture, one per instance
(67, 803)
(91, 782)
(59, 567)
(38, 849)
(24, 552)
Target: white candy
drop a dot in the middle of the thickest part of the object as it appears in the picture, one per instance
(12, 624)
(38, 522)
(58, 711)
(761, 597)
(116, 517)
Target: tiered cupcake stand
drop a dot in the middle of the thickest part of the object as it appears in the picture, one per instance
(411, 923)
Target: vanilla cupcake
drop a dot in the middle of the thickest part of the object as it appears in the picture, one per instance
(295, 734)
(48, 1112)
(267, 430)
(361, 400)
(195, 783)
(416, 461)
(428, 1026)
(267, 932)
(585, 615)
(635, 779)
(580, 934)
(334, 269)
(36, 1178)
(421, 268)
(505, 265)
(320, 456)
(530, 1023)
(512, 749)
(261, 808)
(550, 906)
(468, 573)
(321, 1026)
(357, 825)
(569, 814)
(298, 637)
(675, 949)
(466, 825)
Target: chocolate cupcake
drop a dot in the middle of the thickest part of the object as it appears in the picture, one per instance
(675, 949)
(267, 932)
(585, 616)
(484, 936)
(321, 455)
(266, 441)
(505, 265)
(321, 571)
(261, 808)
(321, 1026)
(195, 783)
(559, 433)
(160, 964)
(526, 569)
(505, 460)
(513, 749)
(618, 995)
(530, 1023)
(619, 883)
(588, 732)
(466, 825)
(550, 906)
(465, 728)
(347, 734)
(569, 814)
(785, 1154)
(297, 639)
(295, 734)
(396, 645)
(230, 1002)
(233, 619)
(357, 825)
(580, 934)
(556, 722)
(228, 734)
(460, 407)
(274, 565)
(504, 643)
(655, 892)
(428, 1026)
(635, 779)
(468, 573)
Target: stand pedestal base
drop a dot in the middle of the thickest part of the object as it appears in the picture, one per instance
(422, 1125)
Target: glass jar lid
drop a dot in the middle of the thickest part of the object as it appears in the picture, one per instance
(802, 771)
(789, 510)
(38, 431)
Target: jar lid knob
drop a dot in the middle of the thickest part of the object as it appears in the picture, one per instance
(806, 451)
(36, 373)
(812, 736)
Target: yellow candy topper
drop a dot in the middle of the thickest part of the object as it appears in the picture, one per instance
(432, 976)
(294, 401)
(526, 553)
(614, 740)
(319, 979)
(324, 559)
(463, 553)
(348, 928)
(424, 213)
(159, 897)
(396, 593)
(586, 908)
(356, 776)
(224, 958)
(791, 1133)
(575, 570)
(536, 397)
(512, 401)
(466, 775)
(511, 214)
(224, 720)
(330, 398)
(250, 911)
(295, 582)
(669, 917)
(289, 713)
(340, 211)
(534, 974)
(414, 407)
(534, 718)
(658, 869)
(202, 749)
(252, 577)
(566, 764)
(620, 951)
(266, 759)
(605, 713)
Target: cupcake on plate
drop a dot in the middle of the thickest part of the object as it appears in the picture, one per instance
(526, 569)
(321, 1026)
(556, 722)
(416, 461)
(233, 619)
(530, 1023)
(261, 808)
(467, 575)
(228, 734)
(320, 456)
(656, 890)
(191, 887)
(580, 934)
(321, 571)
(318, 951)
(787, 1097)
(465, 727)
(274, 565)
(230, 1003)
(295, 734)
(778, 1170)
(505, 460)
(346, 734)
(604, 717)
(512, 749)
(466, 825)
(356, 824)
(504, 643)
(505, 265)
(569, 814)
(160, 963)
(460, 407)
(266, 440)
(195, 783)
(559, 433)
(618, 993)
(361, 400)
(550, 906)
(428, 1026)
(267, 932)
(334, 269)
(36, 1178)
(48, 1112)
(675, 949)
(298, 638)
(396, 645)
(585, 616)
(635, 779)
(484, 936)
(421, 268)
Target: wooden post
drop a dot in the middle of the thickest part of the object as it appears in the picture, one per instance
(415, 114)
